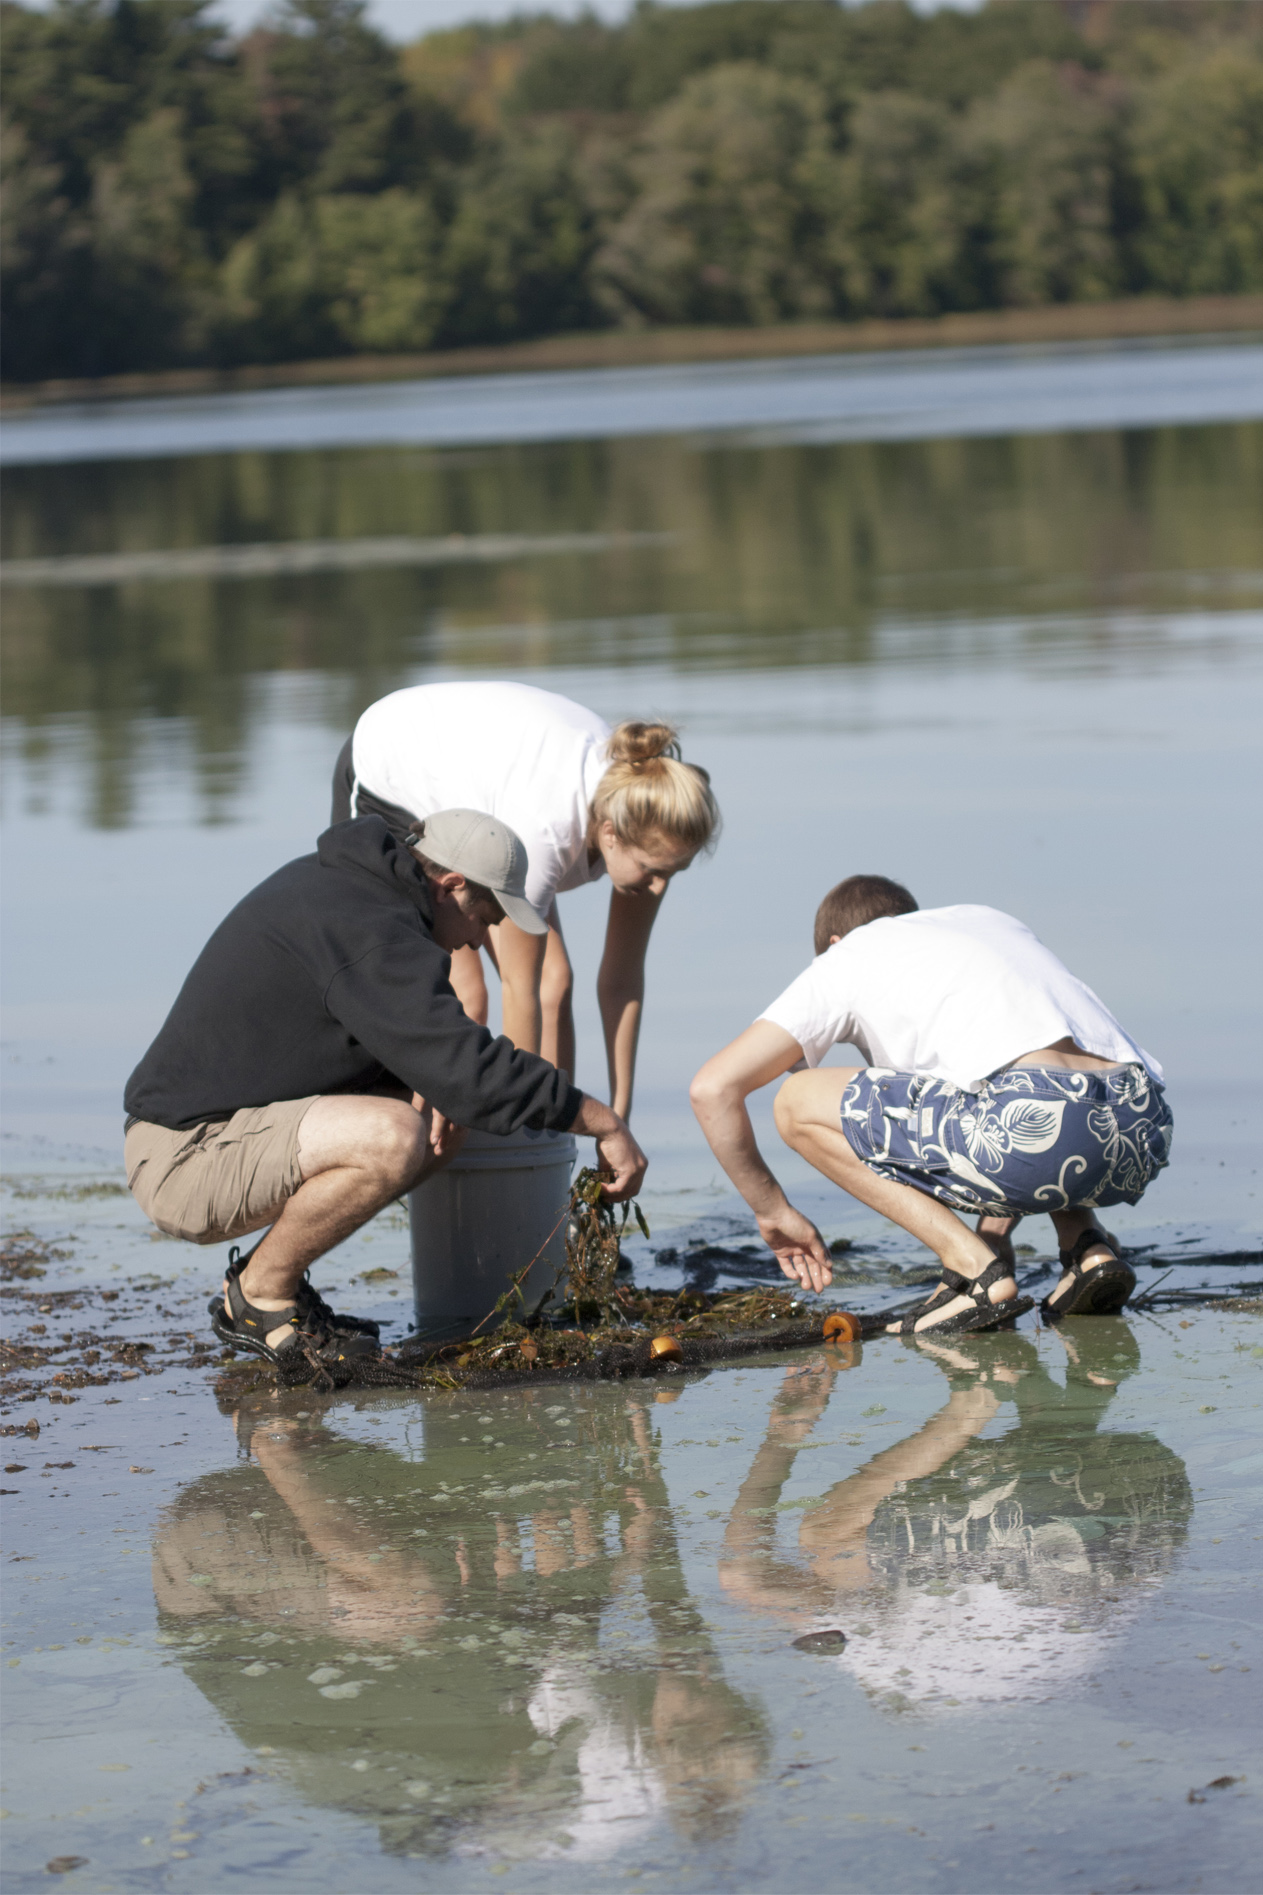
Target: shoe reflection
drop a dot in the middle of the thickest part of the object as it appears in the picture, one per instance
(503, 1659)
(990, 1556)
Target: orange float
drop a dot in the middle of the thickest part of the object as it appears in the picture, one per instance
(665, 1349)
(841, 1326)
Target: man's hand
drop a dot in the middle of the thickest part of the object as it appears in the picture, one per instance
(446, 1137)
(616, 1149)
(798, 1247)
(619, 1153)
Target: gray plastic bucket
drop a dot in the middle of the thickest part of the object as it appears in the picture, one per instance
(500, 1202)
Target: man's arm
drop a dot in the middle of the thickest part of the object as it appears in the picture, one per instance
(719, 1092)
(402, 1010)
(397, 1002)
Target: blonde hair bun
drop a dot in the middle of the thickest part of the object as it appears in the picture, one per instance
(649, 792)
(636, 743)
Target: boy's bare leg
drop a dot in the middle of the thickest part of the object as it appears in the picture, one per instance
(808, 1117)
(999, 1234)
(356, 1154)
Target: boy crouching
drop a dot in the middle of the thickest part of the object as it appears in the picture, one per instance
(994, 1083)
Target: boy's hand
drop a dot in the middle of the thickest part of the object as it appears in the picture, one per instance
(798, 1247)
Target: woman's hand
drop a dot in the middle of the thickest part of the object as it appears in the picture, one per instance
(798, 1247)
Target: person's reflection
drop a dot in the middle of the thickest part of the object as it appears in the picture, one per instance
(503, 1620)
(974, 1560)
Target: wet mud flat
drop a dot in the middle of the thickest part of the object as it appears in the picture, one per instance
(945, 1616)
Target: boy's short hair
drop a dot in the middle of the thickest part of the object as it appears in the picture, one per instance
(857, 900)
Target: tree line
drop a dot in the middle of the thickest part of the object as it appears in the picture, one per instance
(173, 196)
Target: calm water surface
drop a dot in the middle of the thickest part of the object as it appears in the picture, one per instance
(546, 1638)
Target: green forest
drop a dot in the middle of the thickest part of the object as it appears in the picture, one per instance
(175, 197)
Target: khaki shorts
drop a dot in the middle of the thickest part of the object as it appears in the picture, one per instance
(215, 1181)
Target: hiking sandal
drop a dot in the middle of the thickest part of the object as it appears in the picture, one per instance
(1099, 1291)
(310, 1303)
(984, 1315)
(243, 1326)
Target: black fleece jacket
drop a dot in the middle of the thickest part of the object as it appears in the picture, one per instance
(327, 978)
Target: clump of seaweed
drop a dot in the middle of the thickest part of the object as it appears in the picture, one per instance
(594, 1247)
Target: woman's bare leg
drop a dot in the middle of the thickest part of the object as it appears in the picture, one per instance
(470, 984)
(556, 993)
(808, 1118)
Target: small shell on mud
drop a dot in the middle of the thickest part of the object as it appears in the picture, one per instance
(841, 1327)
(665, 1349)
(829, 1641)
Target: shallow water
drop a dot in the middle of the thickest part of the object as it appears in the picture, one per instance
(1022, 670)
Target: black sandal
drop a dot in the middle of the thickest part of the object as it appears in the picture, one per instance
(984, 1315)
(310, 1333)
(310, 1303)
(1100, 1291)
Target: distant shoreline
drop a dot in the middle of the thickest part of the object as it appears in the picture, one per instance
(1135, 318)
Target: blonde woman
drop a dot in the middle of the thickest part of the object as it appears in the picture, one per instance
(586, 800)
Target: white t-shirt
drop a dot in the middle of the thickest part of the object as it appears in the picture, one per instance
(956, 992)
(528, 756)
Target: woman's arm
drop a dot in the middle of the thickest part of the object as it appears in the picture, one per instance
(520, 959)
(620, 987)
(719, 1092)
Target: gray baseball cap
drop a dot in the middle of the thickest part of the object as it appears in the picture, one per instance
(482, 849)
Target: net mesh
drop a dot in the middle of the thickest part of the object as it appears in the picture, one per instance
(589, 1327)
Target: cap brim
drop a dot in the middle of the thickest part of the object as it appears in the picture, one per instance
(520, 912)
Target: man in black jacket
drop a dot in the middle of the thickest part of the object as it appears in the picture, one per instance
(317, 1064)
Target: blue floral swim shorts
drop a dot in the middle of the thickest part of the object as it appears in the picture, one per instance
(1032, 1138)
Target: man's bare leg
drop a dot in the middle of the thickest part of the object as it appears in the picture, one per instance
(356, 1154)
(808, 1118)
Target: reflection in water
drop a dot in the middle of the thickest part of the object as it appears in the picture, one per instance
(493, 1647)
(983, 1559)
(847, 555)
(509, 1651)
